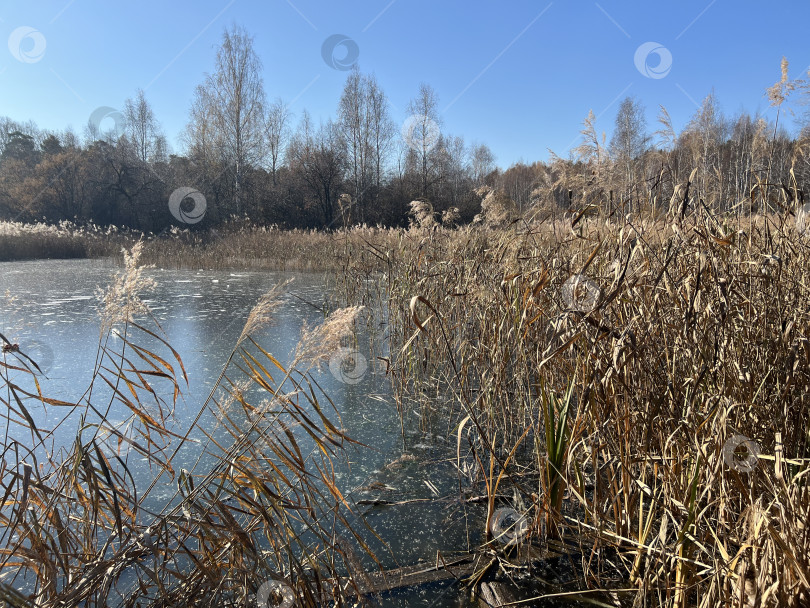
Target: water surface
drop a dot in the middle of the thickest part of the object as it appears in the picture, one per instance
(51, 309)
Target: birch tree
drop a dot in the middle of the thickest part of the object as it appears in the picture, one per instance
(425, 114)
(143, 130)
(228, 110)
(629, 142)
(367, 130)
(276, 129)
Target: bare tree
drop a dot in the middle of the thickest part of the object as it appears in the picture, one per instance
(453, 169)
(353, 124)
(702, 138)
(629, 142)
(317, 158)
(367, 130)
(201, 137)
(204, 149)
(382, 128)
(228, 109)
(746, 142)
(424, 112)
(143, 130)
(276, 129)
(518, 182)
(482, 163)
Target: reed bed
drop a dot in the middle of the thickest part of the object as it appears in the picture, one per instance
(20, 241)
(235, 245)
(636, 388)
(245, 246)
(642, 384)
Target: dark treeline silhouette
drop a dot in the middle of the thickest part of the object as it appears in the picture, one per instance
(248, 159)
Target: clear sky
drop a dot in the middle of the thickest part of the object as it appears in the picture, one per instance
(519, 76)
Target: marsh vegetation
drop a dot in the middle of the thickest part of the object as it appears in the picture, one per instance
(616, 349)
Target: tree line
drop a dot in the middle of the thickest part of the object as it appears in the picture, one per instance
(246, 156)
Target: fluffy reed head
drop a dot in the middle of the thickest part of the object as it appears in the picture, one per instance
(422, 214)
(319, 343)
(262, 313)
(121, 302)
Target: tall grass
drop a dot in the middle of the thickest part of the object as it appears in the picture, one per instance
(265, 517)
(19, 241)
(234, 245)
(699, 333)
(600, 370)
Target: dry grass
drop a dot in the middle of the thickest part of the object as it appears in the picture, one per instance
(700, 333)
(20, 241)
(253, 247)
(77, 531)
(611, 417)
(235, 245)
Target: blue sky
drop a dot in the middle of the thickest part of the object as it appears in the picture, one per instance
(519, 76)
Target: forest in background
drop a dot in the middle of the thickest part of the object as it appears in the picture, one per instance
(252, 159)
